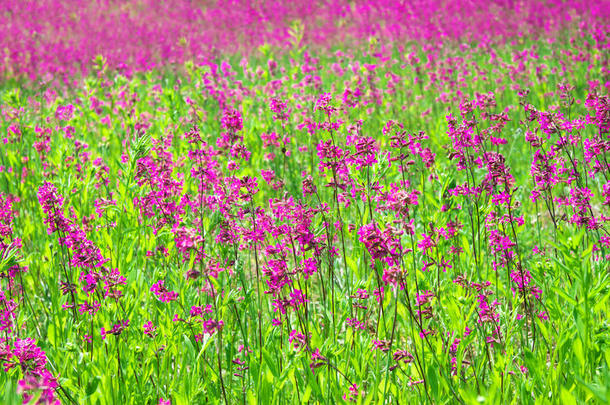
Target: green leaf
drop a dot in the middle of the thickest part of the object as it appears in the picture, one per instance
(566, 397)
(270, 361)
(432, 378)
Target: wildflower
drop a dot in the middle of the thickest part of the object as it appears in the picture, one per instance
(118, 328)
(149, 329)
(426, 243)
(383, 345)
(317, 360)
(402, 355)
(279, 108)
(162, 293)
(231, 120)
(353, 393)
(297, 339)
(323, 104)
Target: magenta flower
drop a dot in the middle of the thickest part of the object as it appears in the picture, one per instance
(426, 243)
(162, 293)
(231, 120)
(149, 329)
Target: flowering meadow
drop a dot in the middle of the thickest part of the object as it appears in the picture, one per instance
(273, 202)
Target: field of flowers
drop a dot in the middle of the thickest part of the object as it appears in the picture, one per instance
(268, 202)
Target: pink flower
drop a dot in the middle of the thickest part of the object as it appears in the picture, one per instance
(426, 243)
(149, 329)
(231, 120)
(162, 293)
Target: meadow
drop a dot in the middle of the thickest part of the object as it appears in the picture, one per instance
(298, 202)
